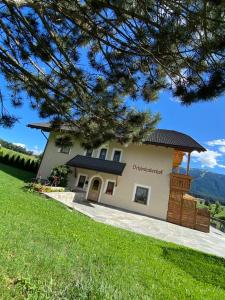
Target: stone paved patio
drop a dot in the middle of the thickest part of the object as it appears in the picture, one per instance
(213, 242)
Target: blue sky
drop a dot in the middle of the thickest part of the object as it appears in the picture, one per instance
(205, 122)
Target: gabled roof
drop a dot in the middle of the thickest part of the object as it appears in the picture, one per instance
(97, 164)
(174, 139)
(159, 137)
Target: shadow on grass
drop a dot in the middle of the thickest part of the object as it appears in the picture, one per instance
(18, 173)
(202, 267)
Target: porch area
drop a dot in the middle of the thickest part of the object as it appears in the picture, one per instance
(91, 176)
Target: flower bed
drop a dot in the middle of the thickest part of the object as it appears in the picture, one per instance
(37, 187)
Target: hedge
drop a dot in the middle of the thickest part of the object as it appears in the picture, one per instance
(19, 161)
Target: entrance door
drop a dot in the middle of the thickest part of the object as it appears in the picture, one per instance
(94, 190)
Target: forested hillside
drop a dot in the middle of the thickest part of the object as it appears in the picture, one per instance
(208, 185)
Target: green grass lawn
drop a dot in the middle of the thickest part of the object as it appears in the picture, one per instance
(50, 252)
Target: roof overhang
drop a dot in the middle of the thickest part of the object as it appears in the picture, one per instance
(97, 164)
(178, 147)
(48, 127)
(159, 137)
(43, 126)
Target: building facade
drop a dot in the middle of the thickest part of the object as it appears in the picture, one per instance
(135, 178)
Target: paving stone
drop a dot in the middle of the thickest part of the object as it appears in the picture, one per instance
(212, 242)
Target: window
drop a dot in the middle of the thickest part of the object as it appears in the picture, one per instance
(64, 149)
(110, 187)
(95, 185)
(116, 155)
(102, 154)
(81, 181)
(89, 152)
(141, 194)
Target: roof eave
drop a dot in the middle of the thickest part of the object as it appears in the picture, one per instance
(44, 128)
(117, 172)
(93, 169)
(177, 147)
(47, 128)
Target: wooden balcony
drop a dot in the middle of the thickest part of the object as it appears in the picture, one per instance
(180, 182)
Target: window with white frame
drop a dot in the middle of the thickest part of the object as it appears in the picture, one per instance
(116, 155)
(110, 186)
(141, 194)
(81, 181)
(65, 149)
(103, 153)
(89, 152)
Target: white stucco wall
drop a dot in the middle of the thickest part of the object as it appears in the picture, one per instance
(52, 158)
(146, 156)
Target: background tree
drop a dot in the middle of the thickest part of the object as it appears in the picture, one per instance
(16, 148)
(207, 203)
(134, 48)
(217, 208)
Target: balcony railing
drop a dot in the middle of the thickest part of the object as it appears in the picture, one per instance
(180, 182)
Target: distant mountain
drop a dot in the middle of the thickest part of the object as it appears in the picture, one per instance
(208, 185)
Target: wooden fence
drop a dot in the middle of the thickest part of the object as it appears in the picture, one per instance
(183, 210)
(202, 219)
(185, 213)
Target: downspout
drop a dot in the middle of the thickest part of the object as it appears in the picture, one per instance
(44, 134)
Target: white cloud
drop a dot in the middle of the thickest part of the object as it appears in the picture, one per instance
(36, 150)
(222, 149)
(208, 159)
(175, 99)
(219, 142)
(221, 166)
(185, 158)
(20, 145)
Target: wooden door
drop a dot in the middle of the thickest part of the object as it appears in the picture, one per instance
(94, 190)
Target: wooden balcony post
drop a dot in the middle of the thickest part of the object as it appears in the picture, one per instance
(188, 163)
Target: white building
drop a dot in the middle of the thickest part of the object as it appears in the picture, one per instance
(135, 178)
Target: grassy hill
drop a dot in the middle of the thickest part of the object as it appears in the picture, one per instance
(49, 252)
(10, 152)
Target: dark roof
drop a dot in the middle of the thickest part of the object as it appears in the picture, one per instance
(97, 164)
(159, 137)
(174, 139)
(47, 126)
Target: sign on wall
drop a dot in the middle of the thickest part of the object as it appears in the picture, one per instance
(147, 170)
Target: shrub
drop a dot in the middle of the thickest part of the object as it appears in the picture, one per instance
(221, 218)
(1, 156)
(33, 166)
(6, 159)
(17, 162)
(37, 163)
(62, 173)
(22, 163)
(207, 203)
(27, 164)
(12, 159)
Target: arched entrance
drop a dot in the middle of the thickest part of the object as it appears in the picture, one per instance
(95, 188)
